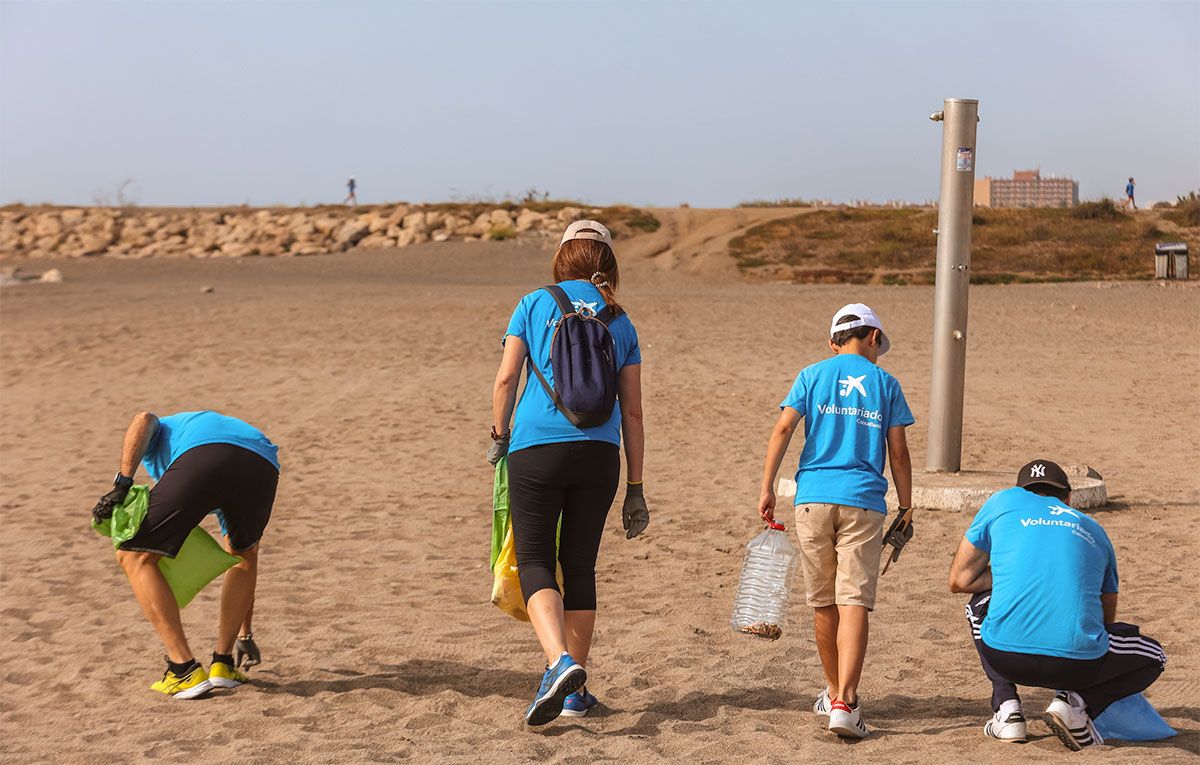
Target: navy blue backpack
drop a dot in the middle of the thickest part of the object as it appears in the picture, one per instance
(583, 360)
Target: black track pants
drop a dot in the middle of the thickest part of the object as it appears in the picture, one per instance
(576, 480)
(1133, 662)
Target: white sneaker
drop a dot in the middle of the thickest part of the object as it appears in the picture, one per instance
(1067, 716)
(1006, 726)
(846, 722)
(822, 704)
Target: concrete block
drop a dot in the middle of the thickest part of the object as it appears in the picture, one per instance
(966, 491)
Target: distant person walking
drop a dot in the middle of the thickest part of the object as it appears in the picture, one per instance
(351, 197)
(564, 451)
(854, 418)
(201, 461)
(1129, 194)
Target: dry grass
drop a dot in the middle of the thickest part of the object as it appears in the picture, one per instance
(897, 246)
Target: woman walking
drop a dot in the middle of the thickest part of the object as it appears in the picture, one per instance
(564, 451)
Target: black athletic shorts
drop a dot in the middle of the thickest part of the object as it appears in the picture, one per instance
(204, 478)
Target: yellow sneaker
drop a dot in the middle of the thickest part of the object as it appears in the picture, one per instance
(192, 685)
(223, 675)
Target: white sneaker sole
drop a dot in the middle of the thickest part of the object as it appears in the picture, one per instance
(225, 682)
(195, 691)
(572, 713)
(1060, 728)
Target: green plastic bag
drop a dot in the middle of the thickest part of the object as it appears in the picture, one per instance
(126, 518)
(200, 560)
(499, 509)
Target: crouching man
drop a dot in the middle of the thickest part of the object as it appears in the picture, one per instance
(201, 462)
(1044, 609)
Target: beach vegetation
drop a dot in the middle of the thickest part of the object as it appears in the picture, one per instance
(898, 245)
(1186, 211)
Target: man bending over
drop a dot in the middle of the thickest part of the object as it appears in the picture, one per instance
(201, 461)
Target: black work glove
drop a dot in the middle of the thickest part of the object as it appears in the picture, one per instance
(104, 508)
(635, 516)
(498, 449)
(898, 535)
(245, 652)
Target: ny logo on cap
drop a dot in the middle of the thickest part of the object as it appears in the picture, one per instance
(852, 383)
(1038, 471)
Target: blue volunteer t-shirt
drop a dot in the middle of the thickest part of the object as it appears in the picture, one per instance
(179, 432)
(537, 421)
(848, 404)
(1050, 563)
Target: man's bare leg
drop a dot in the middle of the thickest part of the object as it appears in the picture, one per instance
(237, 598)
(851, 650)
(825, 630)
(246, 623)
(157, 601)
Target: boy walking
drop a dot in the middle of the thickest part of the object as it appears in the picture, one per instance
(854, 417)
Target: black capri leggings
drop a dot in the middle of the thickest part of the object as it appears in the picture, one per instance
(577, 480)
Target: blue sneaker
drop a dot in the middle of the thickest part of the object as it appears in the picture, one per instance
(560, 681)
(578, 703)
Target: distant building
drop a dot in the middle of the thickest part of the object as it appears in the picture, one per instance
(1027, 188)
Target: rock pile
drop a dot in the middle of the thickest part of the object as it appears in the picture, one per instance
(200, 233)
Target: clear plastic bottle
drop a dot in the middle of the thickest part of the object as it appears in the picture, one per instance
(760, 606)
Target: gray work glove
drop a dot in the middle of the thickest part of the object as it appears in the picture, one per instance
(499, 448)
(897, 536)
(635, 516)
(245, 652)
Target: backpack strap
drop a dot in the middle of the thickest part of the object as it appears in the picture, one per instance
(572, 418)
(560, 297)
(607, 314)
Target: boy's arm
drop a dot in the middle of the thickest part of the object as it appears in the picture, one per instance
(897, 445)
(970, 571)
(781, 438)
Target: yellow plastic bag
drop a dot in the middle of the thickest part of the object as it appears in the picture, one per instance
(506, 586)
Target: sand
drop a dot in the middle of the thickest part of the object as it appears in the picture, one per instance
(373, 372)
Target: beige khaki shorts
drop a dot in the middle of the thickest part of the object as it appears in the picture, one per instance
(840, 548)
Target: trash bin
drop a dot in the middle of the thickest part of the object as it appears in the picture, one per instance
(1162, 262)
(1170, 260)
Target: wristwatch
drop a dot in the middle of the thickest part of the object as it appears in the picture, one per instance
(122, 481)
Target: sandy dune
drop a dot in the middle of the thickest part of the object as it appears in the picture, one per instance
(373, 372)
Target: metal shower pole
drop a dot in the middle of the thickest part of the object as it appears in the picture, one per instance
(958, 118)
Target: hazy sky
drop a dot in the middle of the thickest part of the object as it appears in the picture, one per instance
(705, 103)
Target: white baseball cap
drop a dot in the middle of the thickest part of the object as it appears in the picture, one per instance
(587, 229)
(866, 318)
